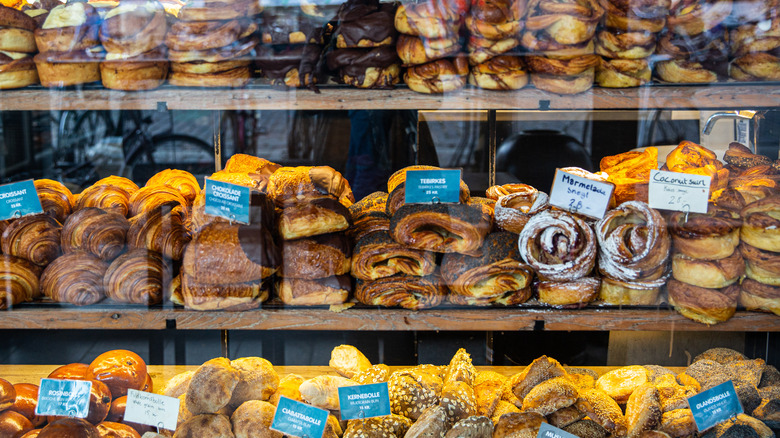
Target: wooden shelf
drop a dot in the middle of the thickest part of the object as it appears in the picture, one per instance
(372, 319)
(260, 97)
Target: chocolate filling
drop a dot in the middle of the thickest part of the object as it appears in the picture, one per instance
(280, 22)
(338, 241)
(259, 246)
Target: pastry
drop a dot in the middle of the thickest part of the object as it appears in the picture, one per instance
(574, 293)
(514, 210)
(440, 76)
(505, 72)
(256, 166)
(111, 429)
(368, 215)
(708, 306)
(348, 361)
(181, 180)
(35, 238)
(316, 292)
(287, 25)
(68, 28)
(686, 18)
(289, 386)
(711, 274)
(759, 228)
(366, 68)
(321, 256)
(563, 76)
(759, 296)
(204, 10)
(377, 255)
(365, 23)
(630, 172)
(108, 197)
(197, 295)
(19, 281)
(253, 418)
(430, 19)
(643, 410)
(458, 400)
(518, 424)
(711, 236)
(689, 157)
(601, 407)
(17, 46)
(409, 292)
(161, 230)
(444, 228)
(95, 232)
(7, 394)
(136, 277)
(550, 396)
(616, 44)
(75, 278)
(26, 401)
(119, 370)
(541, 369)
(322, 391)
(62, 427)
(496, 19)
(17, 71)
(622, 73)
(151, 197)
(56, 200)
(566, 22)
(621, 383)
(294, 66)
(291, 185)
(482, 50)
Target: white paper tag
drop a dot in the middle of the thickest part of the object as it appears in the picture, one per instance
(580, 195)
(152, 409)
(679, 191)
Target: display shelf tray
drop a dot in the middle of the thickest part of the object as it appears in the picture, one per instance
(263, 97)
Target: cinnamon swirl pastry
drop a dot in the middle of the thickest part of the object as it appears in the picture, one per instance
(692, 18)
(56, 200)
(441, 227)
(497, 274)
(496, 19)
(495, 192)
(75, 278)
(710, 236)
(684, 72)
(377, 255)
(542, 44)
(617, 44)
(160, 229)
(500, 73)
(711, 274)
(292, 185)
(755, 37)
(567, 22)
(321, 215)
(623, 73)
(760, 265)
(559, 246)
(135, 277)
(707, 306)
(35, 238)
(759, 296)
(761, 227)
(513, 211)
(439, 76)
(379, 67)
(482, 50)
(409, 292)
(755, 67)
(180, 180)
(326, 255)
(207, 35)
(151, 197)
(106, 197)
(368, 215)
(414, 50)
(430, 19)
(95, 232)
(563, 76)
(317, 292)
(18, 281)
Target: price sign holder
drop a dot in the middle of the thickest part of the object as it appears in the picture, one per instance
(580, 195)
(299, 419)
(679, 191)
(229, 201)
(364, 401)
(547, 431)
(715, 405)
(19, 199)
(434, 186)
(151, 409)
(64, 398)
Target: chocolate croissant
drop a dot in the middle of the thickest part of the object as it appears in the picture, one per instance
(498, 276)
(261, 209)
(180, 180)
(151, 197)
(368, 215)
(35, 238)
(18, 281)
(322, 256)
(317, 292)
(135, 277)
(75, 278)
(160, 229)
(400, 290)
(56, 199)
(106, 197)
(441, 227)
(291, 185)
(320, 215)
(96, 232)
(225, 296)
(377, 255)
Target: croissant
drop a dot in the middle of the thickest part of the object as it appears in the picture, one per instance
(368, 215)
(377, 255)
(760, 227)
(708, 306)
(35, 238)
(160, 229)
(441, 227)
(322, 256)
(18, 281)
(180, 180)
(56, 199)
(497, 274)
(151, 197)
(106, 197)
(75, 278)
(135, 277)
(291, 185)
(96, 232)
(400, 290)
(118, 181)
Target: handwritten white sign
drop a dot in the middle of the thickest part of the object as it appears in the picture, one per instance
(679, 191)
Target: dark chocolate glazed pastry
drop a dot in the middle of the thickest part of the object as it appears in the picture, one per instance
(354, 62)
(365, 23)
(275, 64)
(289, 25)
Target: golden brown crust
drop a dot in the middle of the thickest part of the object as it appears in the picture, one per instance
(415, 51)
(458, 400)
(135, 32)
(564, 84)
(541, 369)
(135, 277)
(574, 293)
(160, 229)
(35, 238)
(603, 409)
(235, 78)
(149, 198)
(496, 19)
(67, 39)
(759, 296)
(318, 292)
(181, 180)
(413, 391)
(499, 73)
(292, 185)
(628, 293)
(18, 74)
(20, 281)
(57, 69)
(132, 75)
(678, 423)
(368, 215)
(315, 257)
(686, 72)
(377, 255)
(204, 35)
(695, 18)
(211, 386)
(760, 227)
(708, 306)
(620, 383)
(550, 396)
(518, 424)
(431, 19)
(319, 216)
(437, 77)
(63, 427)
(482, 50)
(56, 200)
(622, 73)
(711, 274)
(615, 44)
(224, 296)
(96, 232)
(760, 265)
(643, 410)
(400, 290)
(204, 10)
(710, 236)
(75, 278)
(441, 227)
(108, 197)
(10, 17)
(566, 22)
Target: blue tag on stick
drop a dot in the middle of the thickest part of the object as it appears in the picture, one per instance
(364, 401)
(226, 200)
(19, 199)
(299, 419)
(715, 405)
(432, 186)
(547, 431)
(65, 398)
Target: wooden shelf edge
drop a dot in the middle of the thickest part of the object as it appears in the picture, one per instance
(441, 319)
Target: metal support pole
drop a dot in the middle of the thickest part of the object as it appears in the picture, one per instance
(216, 121)
(491, 119)
(225, 341)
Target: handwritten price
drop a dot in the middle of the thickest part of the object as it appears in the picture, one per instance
(575, 205)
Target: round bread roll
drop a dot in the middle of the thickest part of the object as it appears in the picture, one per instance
(71, 371)
(206, 425)
(26, 402)
(7, 394)
(620, 383)
(348, 361)
(257, 380)
(14, 424)
(211, 389)
(289, 386)
(99, 403)
(178, 385)
(108, 429)
(69, 428)
(120, 370)
(253, 420)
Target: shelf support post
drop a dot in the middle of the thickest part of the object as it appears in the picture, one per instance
(216, 123)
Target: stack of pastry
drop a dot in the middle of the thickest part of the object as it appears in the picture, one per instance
(17, 46)
(429, 45)
(133, 36)
(754, 46)
(211, 43)
(751, 177)
(689, 157)
(559, 36)
(627, 39)
(630, 172)
(292, 47)
(693, 47)
(706, 264)
(313, 223)
(494, 28)
(633, 253)
(69, 47)
(365, 56)
(761, 249)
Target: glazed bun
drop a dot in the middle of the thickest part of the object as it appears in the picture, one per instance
(120, 370)
(69, 428)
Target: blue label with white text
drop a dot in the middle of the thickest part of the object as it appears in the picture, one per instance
(364, 401)
(432, 186)
(65, 398)
(226, 200)
(19, 199)
(547, 431)
(299, 419)
(715, 405)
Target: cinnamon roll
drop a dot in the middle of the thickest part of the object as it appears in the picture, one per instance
(760, 265)
(498, 273)
(482, 50)
(563, 76)
(56, 199)
(441, 227)
(755, 37)
(75, 278)
(567, 22)
(759, 296)
(96, 232)
(35, 238)
(18, 281)
(504, 72)
(440, 76)
(152, 197)
(107, 197)
(292, 185)
(711, 274)
(368, 215)
(542, 44)
(636, 16)
(696, 17)
(761, 228)
(624, 45)
(180, 180)
(413, 50)
(316, 292)
(496, 19)
(755, 67)
(430, 19)
(707, 306)
(377, 255)
(711, 236)
(684, 72)
(160, 229)
(623, 73)
(558, 245)
(513, 211)
(326, 255)
(135, 277)
(409, 292)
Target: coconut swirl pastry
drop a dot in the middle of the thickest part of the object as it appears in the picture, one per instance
(407, 291)
(135, 277)
(513, 210)
(56, 200)
(75, 278)
(377, 255)
(633, 253)
(35, 238)
(754, 45)
(19, 281)
(761, 249)
(498, 276)
(96, 232)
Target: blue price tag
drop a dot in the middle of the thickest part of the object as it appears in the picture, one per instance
(432, 186)
(66, 398)
(715, 405)
(364, 401)
(547, 431)
(226, 200)
(19, 199)
(299, 419)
